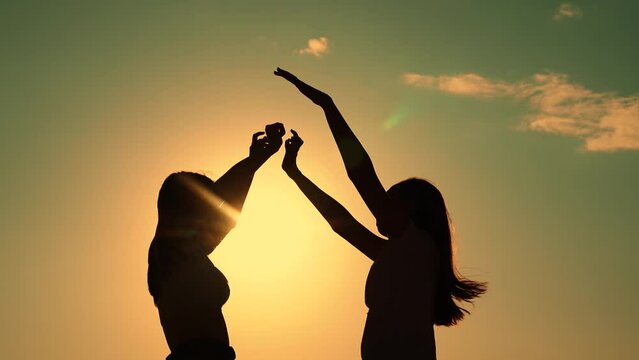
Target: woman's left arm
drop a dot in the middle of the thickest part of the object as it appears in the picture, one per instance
(358, 163)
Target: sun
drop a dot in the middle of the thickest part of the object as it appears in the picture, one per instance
(275, 232)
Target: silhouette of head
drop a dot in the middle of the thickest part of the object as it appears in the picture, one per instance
(187, 202)
(424, 204)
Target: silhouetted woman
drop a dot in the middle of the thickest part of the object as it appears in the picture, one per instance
(194, 215)
(413, 283)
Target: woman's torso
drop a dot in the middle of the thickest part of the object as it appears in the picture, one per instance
(400, 293)
(189, 299)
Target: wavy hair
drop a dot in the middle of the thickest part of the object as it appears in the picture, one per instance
(428, 212)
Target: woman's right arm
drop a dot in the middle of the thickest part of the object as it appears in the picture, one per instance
(340, 220)
(233, 186)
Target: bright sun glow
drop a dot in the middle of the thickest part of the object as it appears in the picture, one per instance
(272, 236)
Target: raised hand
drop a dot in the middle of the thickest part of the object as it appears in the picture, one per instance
(318, 97)
(275, 131)
(263, 147)
(292, 146)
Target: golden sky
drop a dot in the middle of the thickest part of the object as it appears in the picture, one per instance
(524, 115)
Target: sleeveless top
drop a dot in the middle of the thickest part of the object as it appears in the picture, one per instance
(189, 292)
(400, 294)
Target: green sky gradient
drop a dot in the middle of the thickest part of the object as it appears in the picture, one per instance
(94, 99)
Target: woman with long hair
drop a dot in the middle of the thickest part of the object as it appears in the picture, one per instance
(413, 283)
(194, 215)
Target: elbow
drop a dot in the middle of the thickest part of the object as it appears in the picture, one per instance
(339, 230)
(222, 228)
(353, 173)
(336, 227)
(339, 226)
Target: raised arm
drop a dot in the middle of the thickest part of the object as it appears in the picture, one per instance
(197, 229)
(340, 220)
(233, 186)
(358, 163)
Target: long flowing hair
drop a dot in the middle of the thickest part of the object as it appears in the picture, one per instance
(428, 212)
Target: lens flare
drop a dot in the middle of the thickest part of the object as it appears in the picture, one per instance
(216, 202)
(395, 119)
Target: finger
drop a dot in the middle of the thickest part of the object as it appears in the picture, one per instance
(285, 74)
(297, 138)
(261, 143)
(280, 128)
(257, 135)
(275, 129)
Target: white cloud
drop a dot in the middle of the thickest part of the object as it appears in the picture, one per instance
(315, 47)
(567, 11)
(464, 84)
(605, 121)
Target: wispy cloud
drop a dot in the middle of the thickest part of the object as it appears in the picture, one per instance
(605, 121)
(567, 11)
(315, 47)
(464, 84)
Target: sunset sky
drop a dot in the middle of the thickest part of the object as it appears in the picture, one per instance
(524, 113)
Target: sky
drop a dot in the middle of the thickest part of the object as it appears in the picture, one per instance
(524, 113)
